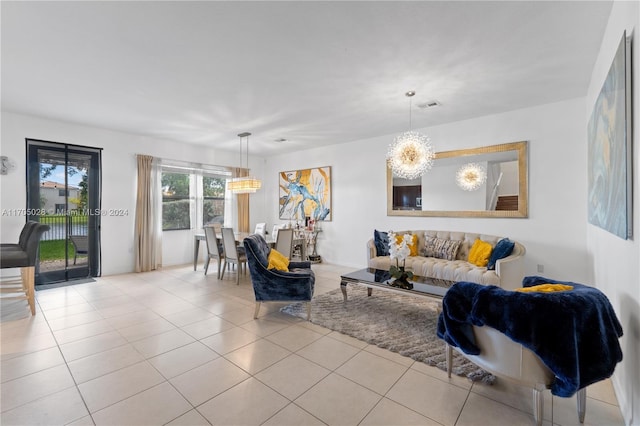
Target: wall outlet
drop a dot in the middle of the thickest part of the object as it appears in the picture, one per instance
(540, 268)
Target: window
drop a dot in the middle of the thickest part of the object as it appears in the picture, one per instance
(61, 209)
(176, 205)
(193, 195)
(63, 192)
(213, 188)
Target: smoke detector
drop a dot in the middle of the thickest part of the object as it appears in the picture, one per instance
(280, 140)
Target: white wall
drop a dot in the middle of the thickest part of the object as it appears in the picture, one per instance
(118, 182)
(614, 263)
(554, 233)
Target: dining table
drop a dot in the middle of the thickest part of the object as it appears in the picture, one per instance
(199, 236)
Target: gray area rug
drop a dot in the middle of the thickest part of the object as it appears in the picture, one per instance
(399, 323)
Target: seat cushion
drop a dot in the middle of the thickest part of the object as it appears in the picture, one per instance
(13, 259)
(451, 270)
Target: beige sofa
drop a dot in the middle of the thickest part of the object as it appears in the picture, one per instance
(508, 273)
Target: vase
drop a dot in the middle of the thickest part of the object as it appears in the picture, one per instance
(403, 280)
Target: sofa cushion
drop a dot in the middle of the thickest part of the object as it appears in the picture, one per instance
(503, 248)
(413, 244)
(480, 253)
(278, 261)
(381, 241)
(441, 248)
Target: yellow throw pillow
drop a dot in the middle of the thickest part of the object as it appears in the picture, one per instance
(413, 244)
(278, 261)
(545, 288)
(480, 253)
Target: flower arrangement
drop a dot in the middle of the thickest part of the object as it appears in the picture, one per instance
(399, 250)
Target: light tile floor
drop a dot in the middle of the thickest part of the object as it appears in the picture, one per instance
(181, 348)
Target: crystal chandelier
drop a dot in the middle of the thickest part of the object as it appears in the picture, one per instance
(411, 154)
(244, 184)
(471, 176)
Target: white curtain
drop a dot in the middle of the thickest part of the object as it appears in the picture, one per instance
(148, 228)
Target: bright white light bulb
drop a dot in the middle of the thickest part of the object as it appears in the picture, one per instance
(410, 155)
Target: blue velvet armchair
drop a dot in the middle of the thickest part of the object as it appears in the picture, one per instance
(273, 285)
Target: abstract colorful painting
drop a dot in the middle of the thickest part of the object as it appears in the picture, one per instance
(305, 193)
(609, 156)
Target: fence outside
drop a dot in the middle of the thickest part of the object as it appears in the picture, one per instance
(61, 226)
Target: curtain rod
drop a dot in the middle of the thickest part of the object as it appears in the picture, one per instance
(190, 165)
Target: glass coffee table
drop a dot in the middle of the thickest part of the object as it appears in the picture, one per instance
(371, 278)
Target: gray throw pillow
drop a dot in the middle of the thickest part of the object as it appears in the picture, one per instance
(441, 248)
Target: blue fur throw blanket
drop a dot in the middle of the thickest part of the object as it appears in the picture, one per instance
(575, 333)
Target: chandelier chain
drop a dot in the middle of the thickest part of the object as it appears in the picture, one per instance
(410, 99)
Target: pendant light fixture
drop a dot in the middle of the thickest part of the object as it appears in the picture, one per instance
(471, 176)
(411, 154)
(244, 184)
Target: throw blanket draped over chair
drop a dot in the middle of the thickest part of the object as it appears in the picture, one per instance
(575, 333)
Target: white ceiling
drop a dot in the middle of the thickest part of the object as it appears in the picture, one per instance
(314, 73)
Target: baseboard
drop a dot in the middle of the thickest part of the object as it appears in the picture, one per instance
(626, 408)
(64, 283)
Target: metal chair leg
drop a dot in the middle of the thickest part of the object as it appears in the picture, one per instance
(255, 313)
(582, 404)
(448, 353)
(538, 400)
(308, 311)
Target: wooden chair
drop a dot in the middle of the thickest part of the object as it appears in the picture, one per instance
(232, 255)
(22, 240)
(214, 251)
(26, 260)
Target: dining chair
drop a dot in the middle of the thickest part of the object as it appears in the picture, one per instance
(22, 240)
(25, 259)
(232, 254)
(284, 242)
(276, 229)
(261, 228)
(214, 250)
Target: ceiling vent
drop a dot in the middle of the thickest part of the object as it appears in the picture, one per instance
(429, 104)
(280, 140)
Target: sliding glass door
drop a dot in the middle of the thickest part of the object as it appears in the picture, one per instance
(63, 191)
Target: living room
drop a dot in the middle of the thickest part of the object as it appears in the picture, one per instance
(560, 242)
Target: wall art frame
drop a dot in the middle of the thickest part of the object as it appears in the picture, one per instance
(610, 174)
(305, 193)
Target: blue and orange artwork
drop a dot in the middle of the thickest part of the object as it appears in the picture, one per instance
(608, 154)
(305, 193)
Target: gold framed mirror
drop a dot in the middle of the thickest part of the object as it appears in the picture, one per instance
(489, 181)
